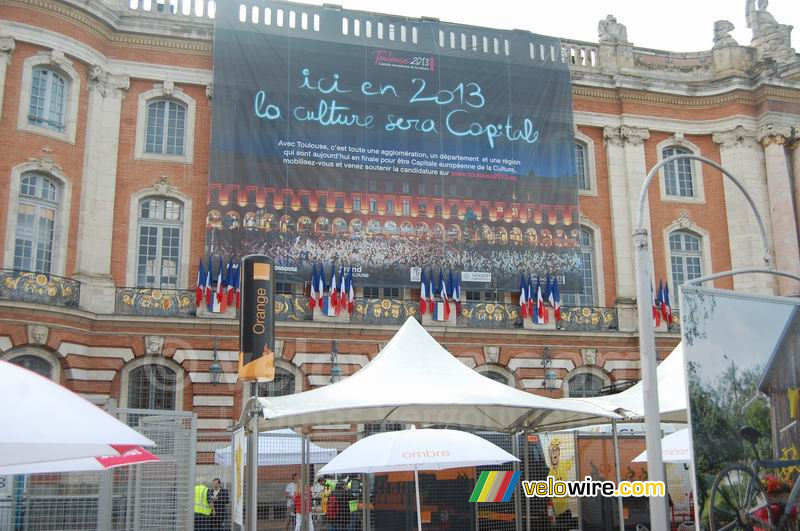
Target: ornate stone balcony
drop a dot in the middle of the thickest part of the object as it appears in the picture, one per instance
(588, 319)
(155, 302)
(39, 288)
(292, 308)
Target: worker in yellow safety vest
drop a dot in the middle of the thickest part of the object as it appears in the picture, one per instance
(202, 508)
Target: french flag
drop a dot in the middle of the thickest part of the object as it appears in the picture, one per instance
(523, 297)
(529, 296)
(351, 294)
(233, 282)
(547, 296)
(312, 300)
(201, 278)
(457, 292)
(538, 311)
(333, 300)
(342, 289)
(656, 305)
(229, 283)
(238, 281)
(320, 285)
(555, 298)
(423, 296)
(329, 306)
(666, 307)
(443, 295)
(220, 287)
(208, 290)
(431, 291)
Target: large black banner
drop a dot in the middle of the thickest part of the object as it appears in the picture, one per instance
(390, 144)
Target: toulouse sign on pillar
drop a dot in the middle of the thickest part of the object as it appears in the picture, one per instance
(257, 320)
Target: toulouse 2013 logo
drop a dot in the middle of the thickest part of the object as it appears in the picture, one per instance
(400, 60)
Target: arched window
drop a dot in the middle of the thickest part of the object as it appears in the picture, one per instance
(165, 132)
(159, 244)
(678, 174)
(686, 260)
(587, 267)
(496, 376)
(36, 216)
(282, 385)
(34, 363)
(48, 103)
(152, 386)
(584, 385)
(581, 169)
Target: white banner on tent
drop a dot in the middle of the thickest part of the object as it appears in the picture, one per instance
(238, 476)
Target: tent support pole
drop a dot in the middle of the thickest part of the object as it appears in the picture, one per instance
(618, 474)
(526, 464)
(305, 510)
(251, 493)
(419, 509)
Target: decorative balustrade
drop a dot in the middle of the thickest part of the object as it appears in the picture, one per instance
(40, 288)
(488, 315)
(383, 311)
(155, 302)
(588, 319)
(292, 308)
(579, 54)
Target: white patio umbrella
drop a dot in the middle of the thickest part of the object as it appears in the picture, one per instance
(413, 449)
(675, 448)
(43, 421)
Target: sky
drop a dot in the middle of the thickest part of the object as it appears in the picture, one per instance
(675, 25)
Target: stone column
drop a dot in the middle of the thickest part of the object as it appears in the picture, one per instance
(6, 49)
(98, 187)
(626, 172)
(794, 153)
(741, 155)
(781, 201)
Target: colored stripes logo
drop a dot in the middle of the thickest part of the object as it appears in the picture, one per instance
(495, 487)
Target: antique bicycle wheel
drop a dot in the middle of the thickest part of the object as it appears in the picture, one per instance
(738, 501)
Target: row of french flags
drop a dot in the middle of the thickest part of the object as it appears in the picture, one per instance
(341, 293)
(447, 291)
(227, 290)
(532, 298)
(662, 309)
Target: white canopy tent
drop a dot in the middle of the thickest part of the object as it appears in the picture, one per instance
(671, 393)
(280, 447)
(415, 380)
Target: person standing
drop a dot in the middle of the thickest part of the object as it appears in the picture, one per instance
(290, 491)
(300, 513)
(220, 499)
(202, 507)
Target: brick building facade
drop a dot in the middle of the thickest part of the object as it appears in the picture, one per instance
(105, 114)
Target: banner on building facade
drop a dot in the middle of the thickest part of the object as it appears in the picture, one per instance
(257, 319)
(389, 143)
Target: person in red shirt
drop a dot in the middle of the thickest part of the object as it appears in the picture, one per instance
(299, 512)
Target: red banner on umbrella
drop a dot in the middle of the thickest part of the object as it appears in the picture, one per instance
(129, 455)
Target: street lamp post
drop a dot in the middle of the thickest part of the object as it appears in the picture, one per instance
(647, 340)
(336, 371)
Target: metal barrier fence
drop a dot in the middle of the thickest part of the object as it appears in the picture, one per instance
(386, 502)
(150, 496)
